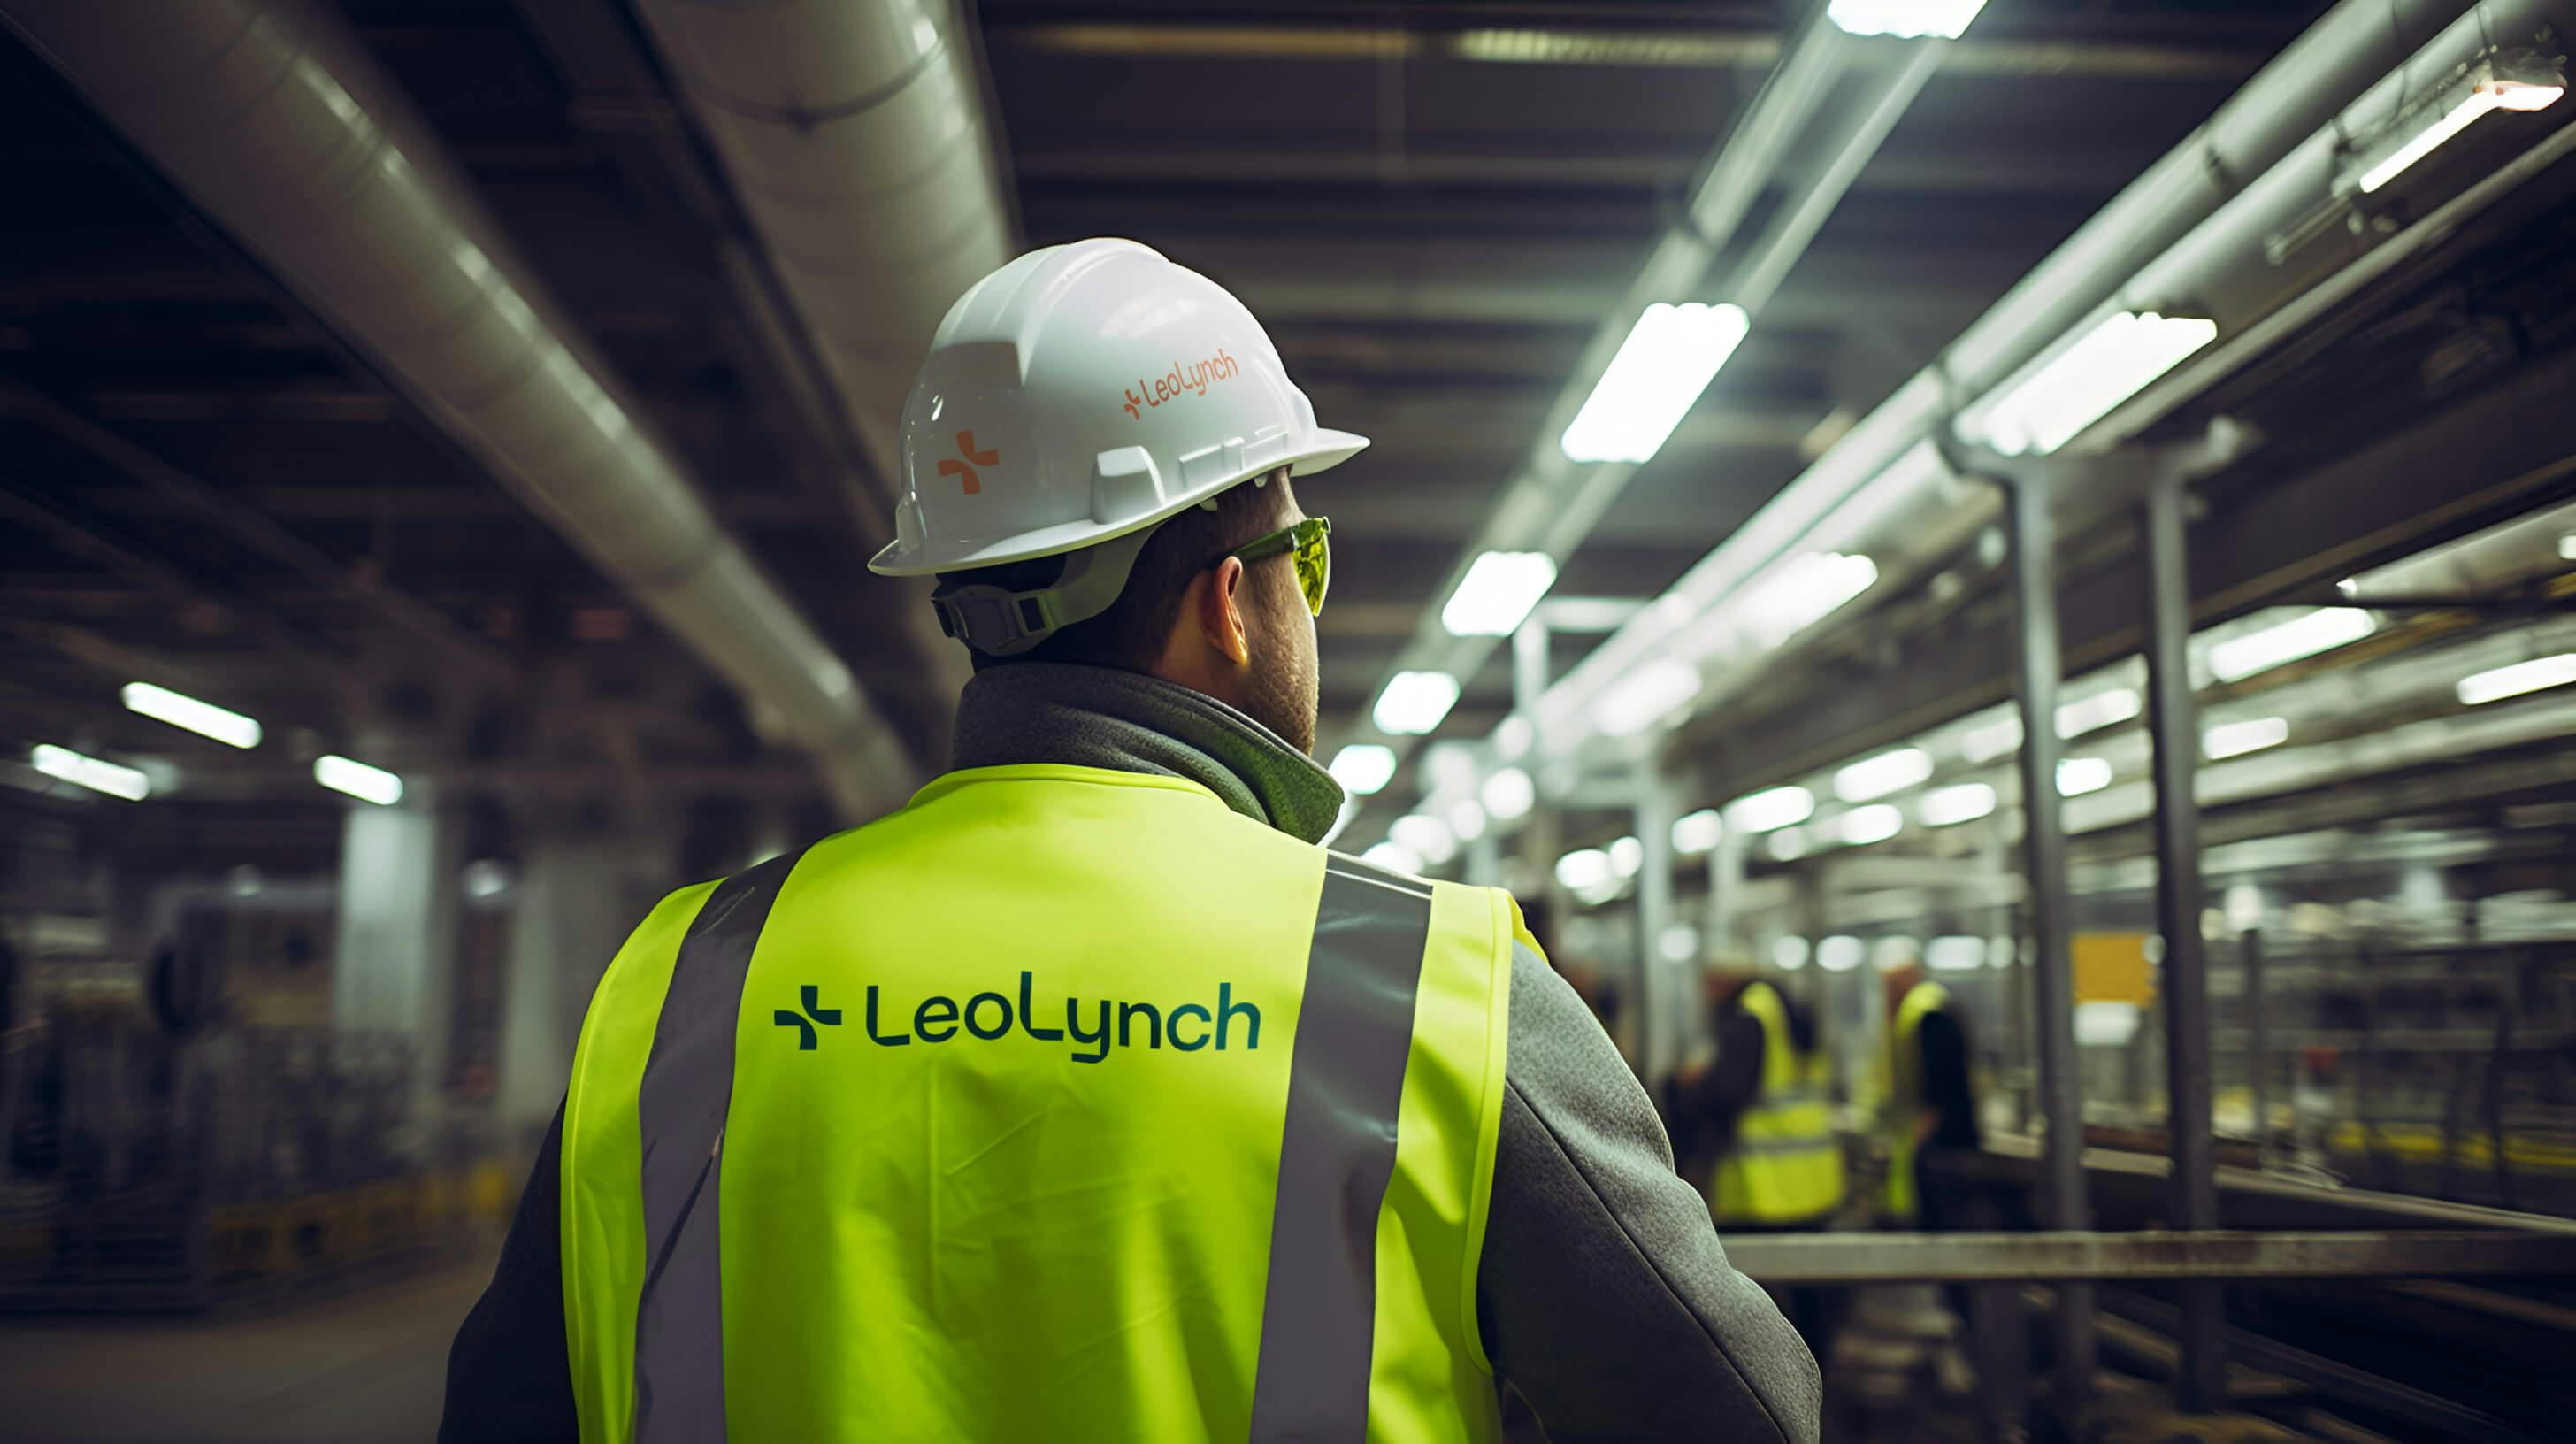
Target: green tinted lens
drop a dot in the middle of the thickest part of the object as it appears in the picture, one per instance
(1314, 559)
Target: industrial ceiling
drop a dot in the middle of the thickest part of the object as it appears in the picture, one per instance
(1432, 206)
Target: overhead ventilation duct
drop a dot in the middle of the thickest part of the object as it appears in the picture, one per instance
(856, 137)
(275, 121)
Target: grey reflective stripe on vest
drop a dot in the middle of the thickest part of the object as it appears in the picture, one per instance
(1337, 1153)
(680, 1111)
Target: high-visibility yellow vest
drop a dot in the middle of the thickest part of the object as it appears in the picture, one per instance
(1062, 1104)
(1786, 1165)
(1904, 1061)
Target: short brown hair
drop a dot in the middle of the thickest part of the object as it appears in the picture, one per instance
(1131, 633)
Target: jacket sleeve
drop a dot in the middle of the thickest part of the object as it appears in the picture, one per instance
(1603, 1293)
(509, 1374)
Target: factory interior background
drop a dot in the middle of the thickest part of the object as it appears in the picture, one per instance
(2076, 497)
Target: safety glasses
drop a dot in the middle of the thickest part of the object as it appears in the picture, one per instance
(1306, 546)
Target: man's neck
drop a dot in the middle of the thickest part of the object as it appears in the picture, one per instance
(1128, 722)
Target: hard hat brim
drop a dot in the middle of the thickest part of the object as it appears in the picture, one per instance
(1324, 449)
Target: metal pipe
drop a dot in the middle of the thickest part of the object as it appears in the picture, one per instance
(277, 123)
(2190, 1254)
(2033, 545)
(857, 139)
(1553, 503)
(2285, 105)
(2173, 727)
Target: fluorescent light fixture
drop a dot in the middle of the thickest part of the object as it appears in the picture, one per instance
(1905, 19)
(1840, 953)
(1627, 856)
(485, 878)
(1698, 833)
(2105, 1024)
(2235, 739)
(65, 765)
(1875, 823)
(1363, 767)
(367, 784)
(1645, 697)
(1950, 806)
(2502, 682)
(1670, 356)
(1466, 820)
(1509, 794)
(2079, 775)
(1789, 953)
(1496, 595)
(1425, 835)
(1887, 772)
(2092, 714)
(1588, 875)
(2321, 629)
(1787, 845)
(1990, 740)
(2487, 95)
(1678, 943)
(1771, 809)
(1805, 592)
(1395, 856)
(1414, 702)
(2567, 547)
(1955, 954)
(2078, 386)
(203, 718)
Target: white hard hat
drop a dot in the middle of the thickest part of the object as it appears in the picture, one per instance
(1078, 395)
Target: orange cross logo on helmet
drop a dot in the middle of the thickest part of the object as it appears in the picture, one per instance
(951, 466)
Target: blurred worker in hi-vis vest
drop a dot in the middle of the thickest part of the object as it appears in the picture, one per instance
(1088, 1096)
(1759, 1117)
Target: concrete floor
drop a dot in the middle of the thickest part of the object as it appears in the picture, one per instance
(366, 1368)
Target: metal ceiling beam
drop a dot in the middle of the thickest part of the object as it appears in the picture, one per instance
(1882, 491)
(1644, 166)
(1551, 503)
(35, 507)
(2482, 460)
(244, 525)
(2230, 57)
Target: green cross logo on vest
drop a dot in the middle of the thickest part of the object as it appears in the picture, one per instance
(807, 1038)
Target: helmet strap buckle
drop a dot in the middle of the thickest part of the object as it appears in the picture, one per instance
(1000, 622)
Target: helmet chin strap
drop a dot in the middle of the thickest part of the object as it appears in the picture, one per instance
(1000, 622)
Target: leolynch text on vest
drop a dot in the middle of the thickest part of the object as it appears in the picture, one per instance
(1093, 1027)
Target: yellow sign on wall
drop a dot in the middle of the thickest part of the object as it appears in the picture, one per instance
(2113, 968)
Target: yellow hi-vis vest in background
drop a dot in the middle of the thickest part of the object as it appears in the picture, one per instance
(1061, 1104)
(1785, 1165)
(1904, 1093)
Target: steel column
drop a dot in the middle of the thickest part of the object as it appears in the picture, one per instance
(2249, 948)
(2063, 1202)
(1663, 996)
(2173, 722)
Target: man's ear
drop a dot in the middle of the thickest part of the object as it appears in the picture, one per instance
(1220, 611)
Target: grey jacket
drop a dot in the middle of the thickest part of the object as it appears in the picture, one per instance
(1603, 1293)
